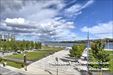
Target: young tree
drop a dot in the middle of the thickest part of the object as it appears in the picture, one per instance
(77, 50)
(111, 65)
(4, 46)
(14, 46)
(99, 53)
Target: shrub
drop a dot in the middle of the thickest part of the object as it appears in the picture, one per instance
(77, 50)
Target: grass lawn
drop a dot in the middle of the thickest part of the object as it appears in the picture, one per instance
(36, 55)
(32, 56)
(14, 64)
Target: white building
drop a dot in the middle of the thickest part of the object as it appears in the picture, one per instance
(7, 36)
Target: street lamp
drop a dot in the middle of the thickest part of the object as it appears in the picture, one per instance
(57, 64)
(108, 43)
(88, 45)
(25, 62)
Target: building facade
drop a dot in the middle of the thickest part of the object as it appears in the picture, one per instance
(7, 36)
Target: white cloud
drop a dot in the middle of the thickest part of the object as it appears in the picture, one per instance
(48, 29)
(20, 21)
(101, 30)
(38, 18)
(73, 10)
(76, 9)
(88, 4)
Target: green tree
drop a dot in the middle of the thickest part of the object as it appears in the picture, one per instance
(98, 51)
(111, 65)
(77, 50)
(32, 45)
(4, 46)
(21, 46)
(97, 48)
(14, 46)
(37, 45)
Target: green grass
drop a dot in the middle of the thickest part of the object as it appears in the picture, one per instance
(110, 53)
(12, 63)
(17, 56)
(32, 56)
(37, 55)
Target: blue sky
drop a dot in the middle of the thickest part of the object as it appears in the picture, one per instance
(50, 20)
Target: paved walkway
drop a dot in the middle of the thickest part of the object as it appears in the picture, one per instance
(5, 54)
(46, 64)
(8, 70)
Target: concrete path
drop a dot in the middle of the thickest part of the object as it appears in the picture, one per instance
(46, 65)
(8, 70)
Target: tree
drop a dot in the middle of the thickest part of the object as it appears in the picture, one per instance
(4, 46)
(97, 48)
(37, 45)
(77, 50)
(98, 51)
(32, 45)
(1, 45)
(111, 65)
(14, 46)
(21, 46)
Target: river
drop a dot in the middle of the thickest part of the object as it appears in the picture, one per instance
(107, 45)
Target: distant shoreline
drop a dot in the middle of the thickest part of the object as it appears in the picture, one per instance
(107, 45)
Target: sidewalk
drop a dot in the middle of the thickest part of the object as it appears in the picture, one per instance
(45, 65)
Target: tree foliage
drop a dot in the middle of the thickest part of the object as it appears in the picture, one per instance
(14, 45)
(77, 50)
(98, 51)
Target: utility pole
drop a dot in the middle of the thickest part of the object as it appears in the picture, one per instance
(88, 52)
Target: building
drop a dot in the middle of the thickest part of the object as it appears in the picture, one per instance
(6, 36)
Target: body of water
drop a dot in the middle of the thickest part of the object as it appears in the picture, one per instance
(107, 45)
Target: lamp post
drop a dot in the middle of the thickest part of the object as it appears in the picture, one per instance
(57, 64)
(88, 52)
(25, 62)
(108, 43)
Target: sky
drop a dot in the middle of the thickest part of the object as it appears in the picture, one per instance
(57, 20)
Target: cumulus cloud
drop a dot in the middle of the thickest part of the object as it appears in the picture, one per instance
(38, 18)
(19, 21)
(101, 30)
(50, 29)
